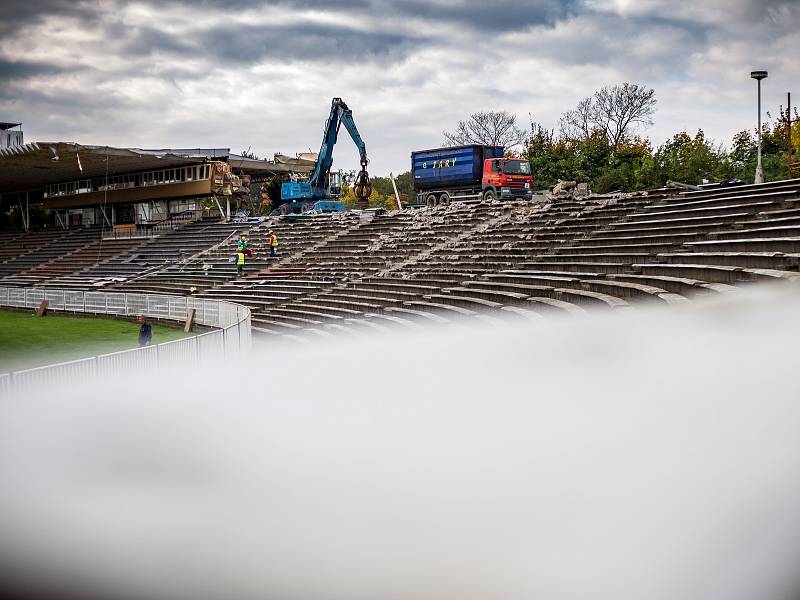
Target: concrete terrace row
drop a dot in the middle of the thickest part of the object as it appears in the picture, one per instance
(500, 261)
(81, 259)
(213, 266)
(527, 261)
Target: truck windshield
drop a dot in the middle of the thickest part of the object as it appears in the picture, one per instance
(517, 167)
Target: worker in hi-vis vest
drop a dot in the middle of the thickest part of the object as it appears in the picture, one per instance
(273, 242)
(239, 263)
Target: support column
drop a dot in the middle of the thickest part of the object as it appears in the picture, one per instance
(759, 169)
(22, 212)
(396, 193)
(219, 206)
(103, 212)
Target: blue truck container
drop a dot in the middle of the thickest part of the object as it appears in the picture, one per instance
(455, 167)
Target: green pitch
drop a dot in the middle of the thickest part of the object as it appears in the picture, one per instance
(29, 341)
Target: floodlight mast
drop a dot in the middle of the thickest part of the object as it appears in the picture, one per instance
(758, 76)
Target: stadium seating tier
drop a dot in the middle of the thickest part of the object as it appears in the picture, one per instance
(350, 273)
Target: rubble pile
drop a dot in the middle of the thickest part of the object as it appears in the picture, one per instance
(421, 219)
(568, 190)
(572, 190)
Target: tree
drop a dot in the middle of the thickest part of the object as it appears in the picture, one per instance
(348, 195)
(383, 185)
(579, 123)
(689, 160)
(490, 128)
(743, 156)
(774, 148)
(615, 110)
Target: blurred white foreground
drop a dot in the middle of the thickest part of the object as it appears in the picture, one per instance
(655, 455)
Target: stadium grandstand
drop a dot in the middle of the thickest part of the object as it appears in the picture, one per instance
(354, 272)
(130, 189)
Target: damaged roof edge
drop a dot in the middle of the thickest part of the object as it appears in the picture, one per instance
(221, 153)
(34, 165)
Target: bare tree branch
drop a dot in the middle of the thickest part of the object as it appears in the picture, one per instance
(579, 122)
(616, 110)
(491, 128)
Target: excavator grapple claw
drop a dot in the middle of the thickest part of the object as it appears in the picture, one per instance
(362, 188)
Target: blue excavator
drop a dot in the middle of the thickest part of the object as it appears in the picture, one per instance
(317, 191)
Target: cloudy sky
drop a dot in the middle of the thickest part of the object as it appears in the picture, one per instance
(248, 73)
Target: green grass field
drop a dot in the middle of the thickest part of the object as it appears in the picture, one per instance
(29, 341)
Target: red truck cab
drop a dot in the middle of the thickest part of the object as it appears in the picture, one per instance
(507, 178)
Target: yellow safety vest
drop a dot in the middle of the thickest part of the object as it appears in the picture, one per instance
(273, 240)
(240, 258)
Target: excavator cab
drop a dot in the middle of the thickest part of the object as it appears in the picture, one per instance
(335, 184)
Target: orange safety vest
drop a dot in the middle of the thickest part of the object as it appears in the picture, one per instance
(273, 240)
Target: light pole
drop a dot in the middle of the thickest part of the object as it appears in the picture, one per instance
(758, 76)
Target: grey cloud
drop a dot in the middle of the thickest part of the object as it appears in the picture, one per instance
(742, 16)
(609, 40)
(475, 14)
(147, 40)
(766, 9)
(377, 52)
(780, 16)
(249, 44)
(16, 70)
(296, 4)
(61, 102)
(20, 13)
(695, 31)
(499, 15)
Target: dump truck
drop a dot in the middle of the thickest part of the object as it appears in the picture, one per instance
(469, 173)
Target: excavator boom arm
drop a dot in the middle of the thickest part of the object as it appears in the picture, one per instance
(340, 114)
(350, 125)
(315, 187)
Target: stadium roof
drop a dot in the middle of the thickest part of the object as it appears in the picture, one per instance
(32, 166)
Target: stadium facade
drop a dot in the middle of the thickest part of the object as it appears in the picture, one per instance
(125, 188)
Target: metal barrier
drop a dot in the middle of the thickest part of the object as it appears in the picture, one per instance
(135, 234)
(231, 335)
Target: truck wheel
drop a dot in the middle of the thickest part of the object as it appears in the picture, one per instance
(431, 200)
(444, 199)
(489, 196)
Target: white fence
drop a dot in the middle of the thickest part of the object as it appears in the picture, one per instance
(231, 335)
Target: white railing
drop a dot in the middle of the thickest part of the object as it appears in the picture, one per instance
(231, 334)
(130, 234)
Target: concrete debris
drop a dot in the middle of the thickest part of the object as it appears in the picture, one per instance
(580, 192)
(562, 187)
